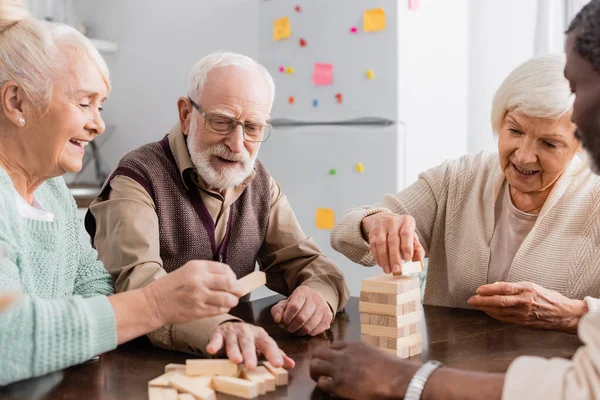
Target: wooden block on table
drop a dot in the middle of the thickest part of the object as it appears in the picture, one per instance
(198, 387)
(390, 298)
(368, 339)
(201, 367)
(256, 377)
(253, 281)
(392, 331)
(389, 309)
(163, 380)
(185, 396)
(175, 367)
(280, 374)
(415, 350)
(390, 284)
(235, 386)
(160, 393)
(270, 381)
(411, 267)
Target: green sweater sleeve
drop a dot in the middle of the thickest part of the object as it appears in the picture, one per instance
(38, 336)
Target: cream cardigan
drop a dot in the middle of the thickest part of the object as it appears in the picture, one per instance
(453, 205)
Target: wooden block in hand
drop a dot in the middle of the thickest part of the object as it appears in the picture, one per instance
(411, 267)
(391, 299)
(235, 386)
(390, 284)
(280, 374)
(175, 367)
(200, 367)
(253, 281)
(159, 393)
(198, 387)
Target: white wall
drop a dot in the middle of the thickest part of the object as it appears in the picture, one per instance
(501, 36)
(159, 43)
(436, 82)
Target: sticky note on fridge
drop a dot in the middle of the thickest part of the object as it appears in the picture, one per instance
(322, 74)
(374, 20)
(282, 28)
(325, 218)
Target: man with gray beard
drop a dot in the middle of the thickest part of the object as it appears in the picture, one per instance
(201, 194)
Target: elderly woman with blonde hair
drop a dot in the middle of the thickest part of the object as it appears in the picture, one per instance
(515, 234)
(53, 84)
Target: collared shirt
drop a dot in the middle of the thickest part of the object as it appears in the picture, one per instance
(127, 239)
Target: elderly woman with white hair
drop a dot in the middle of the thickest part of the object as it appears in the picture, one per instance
(53, 83)
(512, 233)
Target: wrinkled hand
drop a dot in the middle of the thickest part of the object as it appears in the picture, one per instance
(242, 342)
(389, 235)
(359, 371)
(199, 289)
(529, 304)
(305, 312)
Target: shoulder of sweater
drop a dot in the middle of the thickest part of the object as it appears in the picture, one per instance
(55, 191)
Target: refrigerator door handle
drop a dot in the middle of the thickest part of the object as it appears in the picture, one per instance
(364, 121)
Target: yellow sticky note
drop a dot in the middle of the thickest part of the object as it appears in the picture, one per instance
(360, 167)
(374, 20)
(370, 74)
(325, 218)
(289, 70)
(282, 28)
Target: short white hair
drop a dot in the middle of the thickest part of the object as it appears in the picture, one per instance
(200, 72)
(33, 53)
(536, 88)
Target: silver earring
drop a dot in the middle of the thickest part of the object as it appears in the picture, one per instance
(22, 121)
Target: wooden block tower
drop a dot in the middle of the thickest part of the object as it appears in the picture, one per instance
(390, 314)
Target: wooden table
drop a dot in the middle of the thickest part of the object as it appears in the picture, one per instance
(459, 338)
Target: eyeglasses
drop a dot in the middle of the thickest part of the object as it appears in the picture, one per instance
(223, 125)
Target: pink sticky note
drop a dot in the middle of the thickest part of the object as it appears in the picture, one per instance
(322, 74)
(281, 69)
(413, 4)
(353, 29)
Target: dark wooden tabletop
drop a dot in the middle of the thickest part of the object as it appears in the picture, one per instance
(459, 338)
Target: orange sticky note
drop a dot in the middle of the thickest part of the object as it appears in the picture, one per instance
(374, 20)
(282, 28)
(322, 74)
(325, 218)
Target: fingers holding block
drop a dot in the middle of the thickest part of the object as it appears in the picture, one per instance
(253, 281)
(201, 367)
(412, 267)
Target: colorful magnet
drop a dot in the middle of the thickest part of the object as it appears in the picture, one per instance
(291, 100)
(298, 9)
(353, 29)
(289, 70)
(302, 43)
(315, 103)
(332, 171)
(370, 74)
(281, 68)
(359, 167)
(338, 96)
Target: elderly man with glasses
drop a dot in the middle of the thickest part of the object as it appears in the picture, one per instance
(201, 194)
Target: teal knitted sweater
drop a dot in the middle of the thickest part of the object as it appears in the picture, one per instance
(64, 317)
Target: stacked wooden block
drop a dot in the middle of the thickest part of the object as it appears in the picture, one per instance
(201, 379)
(390, 314)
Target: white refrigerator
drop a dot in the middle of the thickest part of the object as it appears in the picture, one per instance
(318, 141)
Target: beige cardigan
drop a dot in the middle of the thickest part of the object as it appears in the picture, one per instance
(453, 205)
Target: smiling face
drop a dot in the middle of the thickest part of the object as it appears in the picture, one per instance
(585, 84)
(55, 140)
(534, 152)
(239, 93)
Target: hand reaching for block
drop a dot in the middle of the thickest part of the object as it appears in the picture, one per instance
(392, 238)
(241, 342)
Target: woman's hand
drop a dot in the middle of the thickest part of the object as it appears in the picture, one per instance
(392, 238)
(529, 304)
(199, 289)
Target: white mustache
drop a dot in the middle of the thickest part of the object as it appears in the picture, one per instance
(220, 150)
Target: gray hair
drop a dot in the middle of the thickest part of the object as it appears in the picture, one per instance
(200, 72)
(33, 52)
(536, 88)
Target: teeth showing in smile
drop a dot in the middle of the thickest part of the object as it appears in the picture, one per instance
(524, 171)
(81, 143)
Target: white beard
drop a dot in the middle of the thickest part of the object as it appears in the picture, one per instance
(222, 178)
